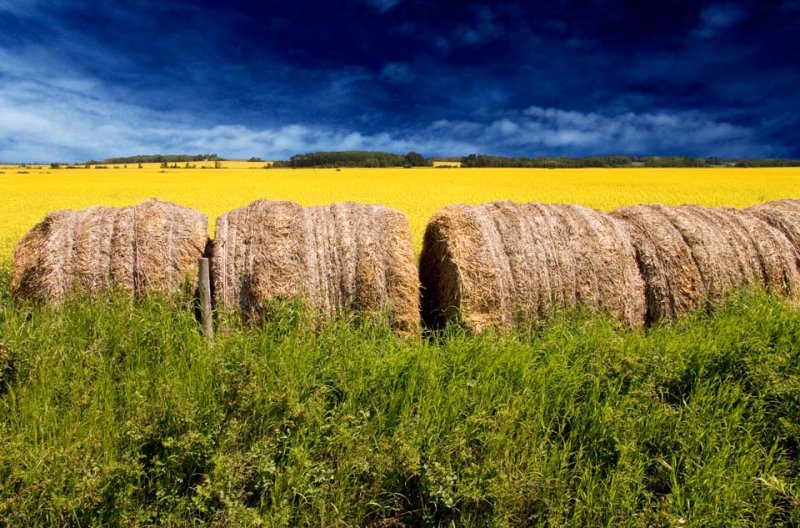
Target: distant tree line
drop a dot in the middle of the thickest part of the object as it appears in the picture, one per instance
(355, 158)
(483, 160)
(768, 162)
(359, 158)
(159, 158)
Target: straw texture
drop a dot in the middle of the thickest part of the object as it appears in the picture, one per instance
(691, 256)
(152, 246)
(507, 265)
(342, 257)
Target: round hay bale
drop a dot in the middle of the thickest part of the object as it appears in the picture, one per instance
(783, 215)
(169, 240)
(692, 256)
(41, 266)
(342, 257)
(506, 265)
(152, 246)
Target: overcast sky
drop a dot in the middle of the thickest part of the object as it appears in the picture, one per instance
(82, 80)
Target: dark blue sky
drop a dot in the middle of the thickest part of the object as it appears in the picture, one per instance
(82, 79)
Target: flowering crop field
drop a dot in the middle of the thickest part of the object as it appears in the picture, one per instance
(28, 193)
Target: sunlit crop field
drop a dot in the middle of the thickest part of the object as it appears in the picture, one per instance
(26, 194)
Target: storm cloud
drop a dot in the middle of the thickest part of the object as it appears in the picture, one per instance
(82, 80)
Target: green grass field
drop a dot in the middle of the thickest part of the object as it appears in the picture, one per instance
(117, 413)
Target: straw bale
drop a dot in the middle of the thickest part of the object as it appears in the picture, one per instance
(783, 215)
(152, 246)
(507, 265)
(691, 256)
(338, 258)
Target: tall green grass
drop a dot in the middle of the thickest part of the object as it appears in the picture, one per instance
(118, 413)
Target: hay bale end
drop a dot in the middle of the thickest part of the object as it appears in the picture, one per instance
(506, 265)
(149, 247)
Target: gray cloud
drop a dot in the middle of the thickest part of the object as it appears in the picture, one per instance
(71, 118)
(553, 131)
(66, 116)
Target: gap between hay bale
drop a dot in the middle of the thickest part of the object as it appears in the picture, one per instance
(345, 257)
(152, 246)
(505, 265)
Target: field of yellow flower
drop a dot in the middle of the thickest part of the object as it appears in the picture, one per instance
(27, 193)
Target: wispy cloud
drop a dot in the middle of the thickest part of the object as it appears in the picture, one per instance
(397, 72)
(93, 90)
(553, 131)
(484, 28)
(382, 5)
(719, 17)
(75, 118)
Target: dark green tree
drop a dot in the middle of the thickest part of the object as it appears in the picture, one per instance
(415, 159)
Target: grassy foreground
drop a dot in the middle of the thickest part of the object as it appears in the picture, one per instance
(114, 413)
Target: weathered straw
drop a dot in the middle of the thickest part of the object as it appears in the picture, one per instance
(691, 256)
(783, 215)
(337, 258)
(507, 265)
(152, 246)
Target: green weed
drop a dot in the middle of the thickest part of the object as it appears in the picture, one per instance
(118, 413)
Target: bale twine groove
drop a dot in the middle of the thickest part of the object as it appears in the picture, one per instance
(337, 258)
(506, 265)
(149, 247)
(691, 256)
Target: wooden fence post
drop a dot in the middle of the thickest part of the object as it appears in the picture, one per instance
(206, 314)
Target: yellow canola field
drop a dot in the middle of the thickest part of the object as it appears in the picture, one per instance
(27, 194)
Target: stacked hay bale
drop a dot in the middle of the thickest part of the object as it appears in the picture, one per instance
(691, 256)
(784, 215)
(152, 246)
(342, 257)
(506, 265)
